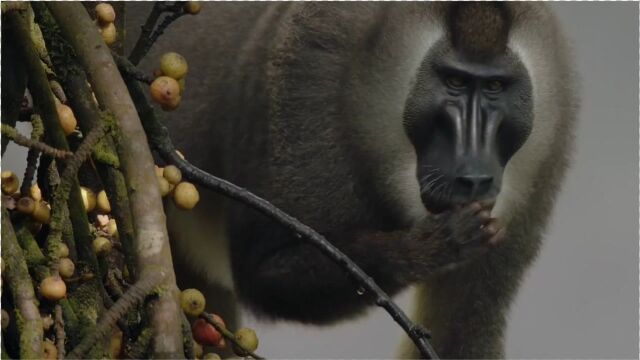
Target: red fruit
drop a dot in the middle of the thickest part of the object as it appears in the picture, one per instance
(205, 334)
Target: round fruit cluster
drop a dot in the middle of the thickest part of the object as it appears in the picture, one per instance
(204, 333)
(105, 16)
(169, 83)
(185, 195)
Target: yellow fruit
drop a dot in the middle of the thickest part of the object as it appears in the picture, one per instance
(192, 7)
(172, 174)
(186, 196)
(173, 65)
(105, 13)
(192, 302)
(165, 90)
(247, 338)
(88, 198)
(49, 350)
(26, 205)
(10, 182)
(67, 119)
(101, 245)
(63, 250)
(112, 228)
(42, 212)
(53, 288)
(35, 193)
(103, 202)
(66, 267)
(164, 186)
(109, 33)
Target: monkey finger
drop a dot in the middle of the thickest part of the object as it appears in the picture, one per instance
(498, 238)
(488, 203)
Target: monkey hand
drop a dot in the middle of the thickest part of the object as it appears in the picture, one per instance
(456, 236)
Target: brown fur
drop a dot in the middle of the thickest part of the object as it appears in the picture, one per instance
(479, 29)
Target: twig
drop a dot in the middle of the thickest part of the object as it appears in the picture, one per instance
(144, 43)
(177, 12)
(227, 334)
(60, 335)
(130, 299)
(17, 275)
(160, 140)
(131, 70)
(187, 337)
(37, 130)
(152, 241)
(22, 140)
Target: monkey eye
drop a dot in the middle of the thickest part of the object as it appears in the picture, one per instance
(495, 86)
(455, 82)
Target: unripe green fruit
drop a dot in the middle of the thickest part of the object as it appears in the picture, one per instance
(192, 302)
(66, 267)
(247, 338)
(101, 245)
(173, 65)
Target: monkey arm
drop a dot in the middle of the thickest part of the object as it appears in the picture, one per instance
(282, 275)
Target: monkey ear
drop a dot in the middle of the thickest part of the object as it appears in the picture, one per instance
(479, 29)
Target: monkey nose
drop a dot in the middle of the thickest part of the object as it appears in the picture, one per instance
(473, 185)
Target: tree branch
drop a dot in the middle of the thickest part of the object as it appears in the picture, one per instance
(24, 298)
(131, 298)
(152, 243)
(22, 140)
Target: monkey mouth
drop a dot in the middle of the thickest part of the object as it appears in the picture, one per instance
(437, 203)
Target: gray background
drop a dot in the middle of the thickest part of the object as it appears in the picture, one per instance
(580, 300)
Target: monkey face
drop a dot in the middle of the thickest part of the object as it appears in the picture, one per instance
(466, 118)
